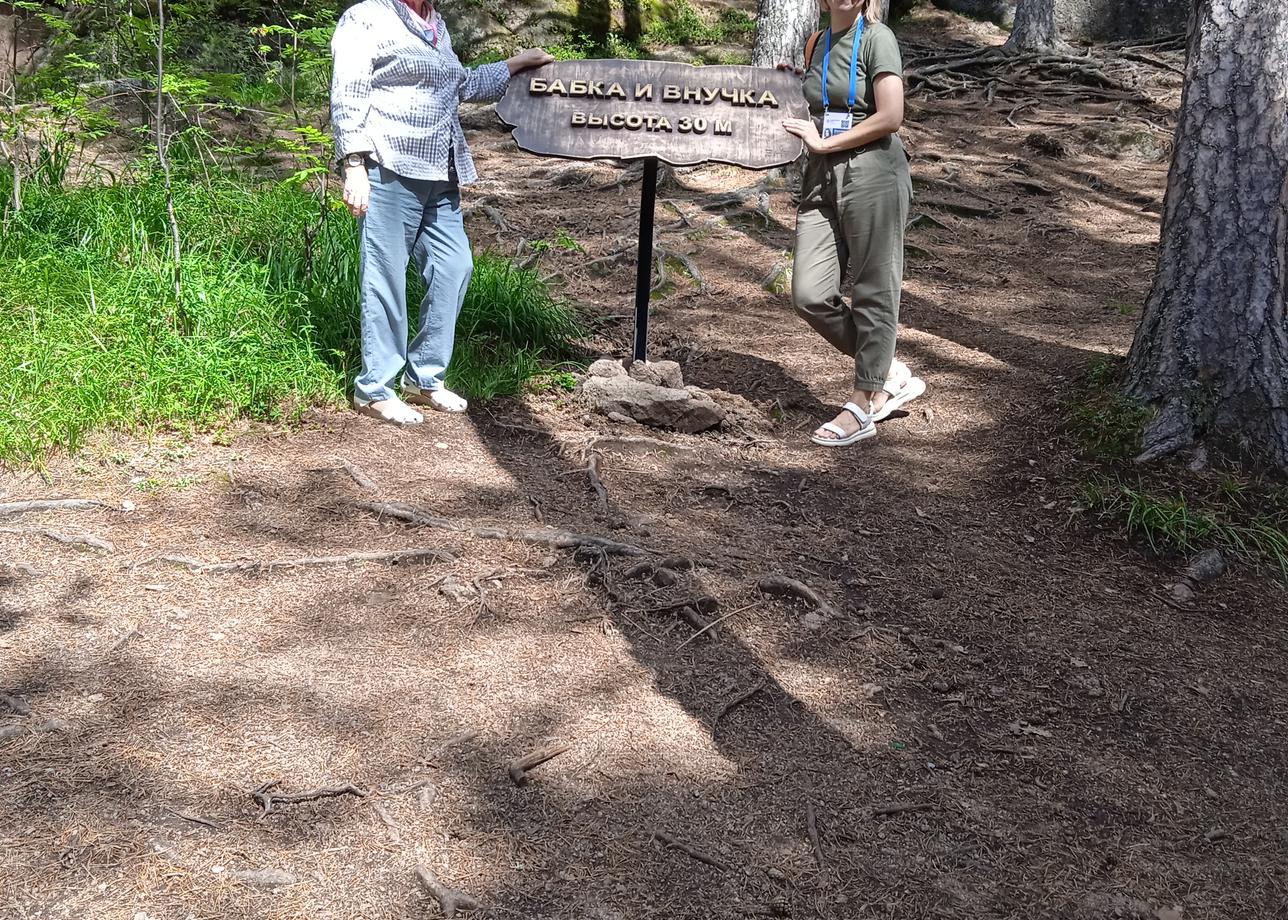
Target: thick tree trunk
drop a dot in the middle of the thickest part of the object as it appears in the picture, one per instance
(1211, 354)
(1035, 27)
(782, 26)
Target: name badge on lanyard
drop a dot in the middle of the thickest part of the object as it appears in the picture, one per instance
(835, 123)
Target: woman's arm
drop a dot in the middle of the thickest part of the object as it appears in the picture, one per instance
(488, 83)
(887, 91)
(352, 52)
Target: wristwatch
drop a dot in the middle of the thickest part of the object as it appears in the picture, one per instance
(355, 159)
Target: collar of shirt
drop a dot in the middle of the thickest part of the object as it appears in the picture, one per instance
(426, 16)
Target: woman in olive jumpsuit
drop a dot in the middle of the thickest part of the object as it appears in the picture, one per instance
(855, 197)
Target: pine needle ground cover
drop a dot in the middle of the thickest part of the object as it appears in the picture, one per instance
(267, 325)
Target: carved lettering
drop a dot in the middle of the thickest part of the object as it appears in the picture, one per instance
(616, 91)
(576, 87)
(664, 125)
(768, 98)
(579, 119)
(644, 91)
(692, 94)
(596, 121)
(724, 128)
(670, 93)
(537, 85)
(634, 122)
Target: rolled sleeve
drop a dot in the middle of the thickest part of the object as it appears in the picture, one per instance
(352, 50)
(486, 83)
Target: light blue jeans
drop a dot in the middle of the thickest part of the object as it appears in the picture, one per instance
(410, 218)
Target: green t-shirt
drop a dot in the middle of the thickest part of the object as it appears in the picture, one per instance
(878, 54)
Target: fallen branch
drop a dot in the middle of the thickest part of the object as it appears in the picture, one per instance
(58, 537)
(690, 851)
(519, 768)
(394, 557)
(15, 704)
(269, 800)
(449, 899)
(551, 537)
(783, 586)
(687, 263)
(50, 504)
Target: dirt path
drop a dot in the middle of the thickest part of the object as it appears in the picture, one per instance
(1001, 719)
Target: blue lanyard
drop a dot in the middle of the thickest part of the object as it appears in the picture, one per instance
(854, 65)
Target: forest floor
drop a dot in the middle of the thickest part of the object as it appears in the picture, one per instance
(999, 716)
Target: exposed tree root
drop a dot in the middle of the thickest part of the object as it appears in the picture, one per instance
(393, 557)
(596, 482)
(520, 768)
(782, 586)
(269, 800)
(449, 899)
(551, 537)
(49, 504)
(811, 826)
(689, 851)
(85, 540)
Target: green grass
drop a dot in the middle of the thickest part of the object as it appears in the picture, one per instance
(92, 339)
(1173, 522)
(1169, 509)
(1106, 424)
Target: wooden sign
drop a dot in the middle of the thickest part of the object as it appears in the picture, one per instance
(677, 113)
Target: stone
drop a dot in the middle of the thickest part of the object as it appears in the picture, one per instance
(658, 373)
(606, 367)
(649, 404)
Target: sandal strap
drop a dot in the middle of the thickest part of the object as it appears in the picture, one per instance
(835, 429)
(863, 418)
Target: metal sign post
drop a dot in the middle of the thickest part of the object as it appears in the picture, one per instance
(644, 261)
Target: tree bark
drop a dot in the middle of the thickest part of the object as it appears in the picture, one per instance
(782, 26)
(1211, 354)
(1035, 27)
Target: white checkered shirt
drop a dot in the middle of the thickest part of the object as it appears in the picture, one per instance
(395, 95)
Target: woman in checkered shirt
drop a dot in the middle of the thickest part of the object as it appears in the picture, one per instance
(394, 99)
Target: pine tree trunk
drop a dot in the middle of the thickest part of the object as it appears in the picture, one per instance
(782, 26)
(1211, 354)
(1035, 27)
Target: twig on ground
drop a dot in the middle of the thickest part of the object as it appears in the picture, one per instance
(687, 263)
(269, 800)
(713, 624)
(68, 539)
(49, 504)
(811, 826)
(519, 768)
(552, 537)
(194, 819)
(393, 557)
(738, 701)
(783, 586)
(703, 603)
(689, 851)
(449, 899)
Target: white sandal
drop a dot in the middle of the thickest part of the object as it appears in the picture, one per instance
(392, 410)
(442, 399)
(899, 395)
(867, 428)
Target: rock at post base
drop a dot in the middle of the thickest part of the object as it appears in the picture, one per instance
(651, 394)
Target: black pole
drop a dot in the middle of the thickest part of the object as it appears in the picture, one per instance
(644, 263)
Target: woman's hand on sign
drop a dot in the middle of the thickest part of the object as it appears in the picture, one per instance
(807, 131)
(357, 190)
(796, 70)
(526, 60)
